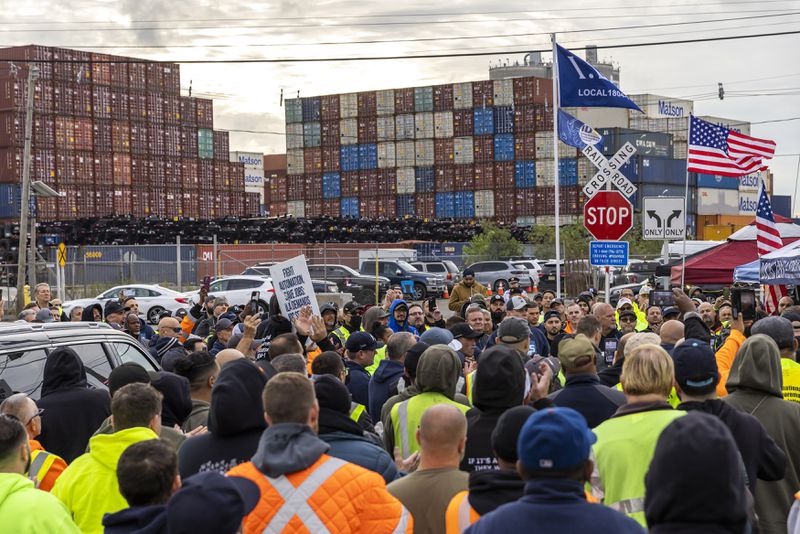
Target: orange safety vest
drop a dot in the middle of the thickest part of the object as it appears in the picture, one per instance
(330, 496)
(45, 467)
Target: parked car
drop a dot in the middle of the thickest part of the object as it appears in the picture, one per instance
(532, 266)
(446, 269)
(616, 290)
(349, 280)
(152, 299)
(259, 269)
(322, 286)
(238, 290)
(24, 348)
(639, 271)
(399, 271)
(493, 273)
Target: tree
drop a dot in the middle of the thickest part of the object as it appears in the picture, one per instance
(491, 244)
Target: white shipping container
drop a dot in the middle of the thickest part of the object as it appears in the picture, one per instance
(348, 131)
(462, 95)
(296, 208)
(294, 135)
(443, 124)
(404, 126)
(750, 183)
(253, 177)
(386, 128)
(484, 204)
(601, 117)
(294, 161)
(504, 92)
(386, 155)
(731, 124)
(544, 147)
(462, 150)
(406, 181)
(405, 153)
(252, 159)
(657, 106)
(748, 202)
(385, 101)
(423, 123)
(717, 201)
(348, 106)
(424, 152)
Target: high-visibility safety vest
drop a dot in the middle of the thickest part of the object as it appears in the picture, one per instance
(790, 370)
(41, 469)
(623, 452)
(329, 496)
(342, 333)
(380, 354)
(356, 411)
(673, 399)
(407, 414)
(460, 514)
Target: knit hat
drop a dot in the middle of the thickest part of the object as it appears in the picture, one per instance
(506, 432)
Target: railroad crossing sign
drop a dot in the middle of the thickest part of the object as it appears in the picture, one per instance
(609, 170)
(62, 254)
(608, 215)
(664, 218)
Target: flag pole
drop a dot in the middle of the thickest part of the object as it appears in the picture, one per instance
(556, 105)
(686, 209)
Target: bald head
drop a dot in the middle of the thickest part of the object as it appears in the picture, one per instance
(24, 409)
(605, 314)
(442, 432)
(228, 355)
(671, 332)
(167, 327)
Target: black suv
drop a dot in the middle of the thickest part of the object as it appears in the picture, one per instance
(24, 348)
(420, 285)
(350, 281)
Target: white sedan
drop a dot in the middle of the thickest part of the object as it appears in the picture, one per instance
(152, 299)
(238, 290)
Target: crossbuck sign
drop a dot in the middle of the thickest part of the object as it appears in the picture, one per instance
(609, 170)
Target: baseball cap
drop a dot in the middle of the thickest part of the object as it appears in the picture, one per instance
(513, 279)
(513, 330)
(413, 355)
(211, 502)
(351, 306)
(537, 296)
(584, 297)
(695, 366)
(129, 373)
(623, 301)
(506, 432)
(112, 306)
(551, 313)
(554, 439)
(45, 316)
(555, 302)
(670, 310)
(362, 341)
(383, 313)
(516, 303)
(645, 290)
(436, 336)
(223, 324)
(575, 352)
(497, 298)
(627, 313)
(464, 330)
(329, 306)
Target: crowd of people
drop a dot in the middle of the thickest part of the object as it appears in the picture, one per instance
(516, 411)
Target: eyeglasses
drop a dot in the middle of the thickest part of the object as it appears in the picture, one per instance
(38, 413)
(177, 329)
(627, 320)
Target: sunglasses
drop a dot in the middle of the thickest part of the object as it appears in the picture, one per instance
(628, 320)
(177, 329)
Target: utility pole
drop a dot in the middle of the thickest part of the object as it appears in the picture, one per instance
(22, 249)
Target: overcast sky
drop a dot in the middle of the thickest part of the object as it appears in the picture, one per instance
(247, 96)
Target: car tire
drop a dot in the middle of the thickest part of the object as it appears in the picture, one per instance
(366, 296)
(153, 313)
(419, 292)
(263, 307)
(496, 285)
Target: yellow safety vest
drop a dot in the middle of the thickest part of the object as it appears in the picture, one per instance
(342, 333)
(380, 354)
(791, 379)
(672, 399)
(407, 414)
(41, 461)
(624, 448)
(356, 410)
(470, 384)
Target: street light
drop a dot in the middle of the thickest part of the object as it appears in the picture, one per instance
(38, 189)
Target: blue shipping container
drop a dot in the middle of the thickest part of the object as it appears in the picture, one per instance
(331, 185)
(658, 170)
(368, 156)
(10, 199)
(445, 205)
(717, 182)
(349, 207)
(568, 172)
(504, 147)
(406, 205)
(464, 204)
(483, 121)
(654, 144)
(311, 109)
(504, 120)
(782, 205)
(525, 174)
(424, 180)
(311, 134)
(348, 158)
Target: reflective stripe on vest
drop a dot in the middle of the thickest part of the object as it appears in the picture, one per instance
(470, 384)
(342, 333)
(629, 506)
(400, 423)
(463, 513)
(355, 411)
(402, 523)
(295, 499)
(41, 461)
(402, 414)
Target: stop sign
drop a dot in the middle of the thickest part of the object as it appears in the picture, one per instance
(608, 215)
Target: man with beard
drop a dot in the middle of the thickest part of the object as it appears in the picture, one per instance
(433, 317)
(553, 331)
(416, 317)
(709, 316)
(330, 314)
(497, 307)
(534, 313)
(465, 290)
(654, 318)
(609, 335)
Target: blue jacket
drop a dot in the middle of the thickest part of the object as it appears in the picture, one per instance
(555, 506)
(358, 383)
(394, 325)
(539, 343)
(138, 519)
(217, 347)
(145, 329)
(386, 375)
(586, 395)
(360, 451)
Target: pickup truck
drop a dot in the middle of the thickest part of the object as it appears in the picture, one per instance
(399, 271)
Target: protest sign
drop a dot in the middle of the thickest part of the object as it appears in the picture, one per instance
(293, 287)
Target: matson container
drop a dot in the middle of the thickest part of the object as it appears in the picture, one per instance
(503, 92)
(406, 154)
(423, 125)
(544, 147)
(295, 161)
(424, 153)
(462, 95)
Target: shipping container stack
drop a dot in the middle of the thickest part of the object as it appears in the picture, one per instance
(116, 137)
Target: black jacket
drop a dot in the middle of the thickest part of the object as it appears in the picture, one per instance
(608, 346)
(489, 490)
(137, 520)
(499, 385)
(358, 382)
(235, 422)
(72, 409)
(586, 395)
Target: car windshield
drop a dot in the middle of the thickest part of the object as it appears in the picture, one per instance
(406, 266)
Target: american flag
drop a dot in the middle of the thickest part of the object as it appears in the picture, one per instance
(768, 239)
(714, 149)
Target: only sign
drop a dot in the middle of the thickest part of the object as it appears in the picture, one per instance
(608, 215)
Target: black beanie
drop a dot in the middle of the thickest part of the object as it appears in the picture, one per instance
(506, 432)
(499, 379)
(332, 394)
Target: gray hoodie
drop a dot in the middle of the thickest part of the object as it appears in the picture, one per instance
(287, 448)
(755, 383)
